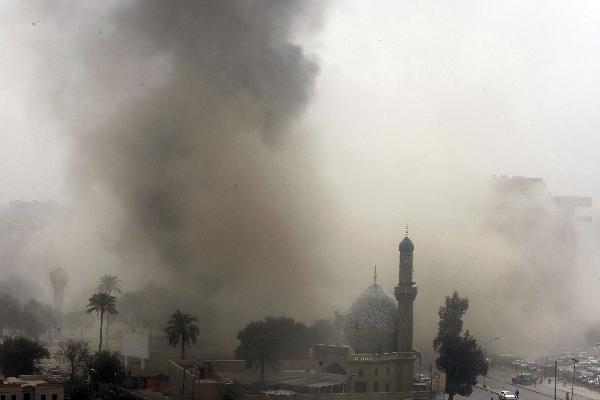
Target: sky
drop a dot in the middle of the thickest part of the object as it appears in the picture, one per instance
(413, 107)
(496, 88)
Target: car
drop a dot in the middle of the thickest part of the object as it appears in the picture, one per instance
(506, 395)
(523, 378)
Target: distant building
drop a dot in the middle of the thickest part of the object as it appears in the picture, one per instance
(31, 387)
(511, 189)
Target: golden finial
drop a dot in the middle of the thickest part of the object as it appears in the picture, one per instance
(375, 275)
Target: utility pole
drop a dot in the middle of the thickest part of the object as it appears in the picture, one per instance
(485, 355)
(90, 374)
(555, 376)
(430, 383)
(573, 380)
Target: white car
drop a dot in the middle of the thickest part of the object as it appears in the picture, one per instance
(506, 395)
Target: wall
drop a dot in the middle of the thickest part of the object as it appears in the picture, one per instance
(346, 396)
(48, 390)
(383, 372)
(36, 392)
(9, 390)
(398, 373)
(326, 355)
(181, 383)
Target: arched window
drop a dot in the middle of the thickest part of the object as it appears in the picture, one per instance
(376, 386)
(360, 372)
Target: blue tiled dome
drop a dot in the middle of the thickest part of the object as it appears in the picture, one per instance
(371, 321)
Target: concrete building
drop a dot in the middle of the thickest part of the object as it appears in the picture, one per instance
(30, 387)
(378, 355)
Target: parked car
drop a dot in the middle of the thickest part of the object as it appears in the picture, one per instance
(506, 395)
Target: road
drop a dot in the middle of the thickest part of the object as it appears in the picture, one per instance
(498, 380)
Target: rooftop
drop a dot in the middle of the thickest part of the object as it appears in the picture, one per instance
(27, 380)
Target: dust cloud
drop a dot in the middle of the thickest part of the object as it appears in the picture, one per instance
(200, 162)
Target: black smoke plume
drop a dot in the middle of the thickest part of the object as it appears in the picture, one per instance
(183, 162)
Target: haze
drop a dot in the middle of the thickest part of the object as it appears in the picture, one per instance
(278, 198)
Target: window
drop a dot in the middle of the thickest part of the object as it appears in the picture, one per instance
(360, 372)
(387, 370)
(43, 397)
(376, 371)
(54, 397)
(2, 397)
(376, 386)
(26, 396)
(387, 387)
(360, 387)
(13, 397)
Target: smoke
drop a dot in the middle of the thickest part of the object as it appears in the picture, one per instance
(182, 161)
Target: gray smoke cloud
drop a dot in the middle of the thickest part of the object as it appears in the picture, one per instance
(182, 160)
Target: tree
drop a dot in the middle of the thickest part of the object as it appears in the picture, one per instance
(18, 356)
(102, 303)
(109, 284)
(76, 320)
(107, 366)
(76, 352)
(181, 328)
(263, 343)
(10, 311)
(328, 330)
(459, 355)
(30, 324)
(147, 307)
(80, 391)
(38, 318)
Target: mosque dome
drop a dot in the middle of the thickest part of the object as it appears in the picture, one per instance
(371, 322)
(406, 246)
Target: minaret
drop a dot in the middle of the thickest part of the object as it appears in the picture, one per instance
(405, 294)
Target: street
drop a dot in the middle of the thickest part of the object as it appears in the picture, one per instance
(497, 380)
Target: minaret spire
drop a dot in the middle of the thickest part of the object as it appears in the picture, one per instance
(405, 292)
(375, 275)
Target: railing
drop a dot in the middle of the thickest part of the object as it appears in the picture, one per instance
(383, 357)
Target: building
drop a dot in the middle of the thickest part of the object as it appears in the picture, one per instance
(31, 387)
(376, 360)
(378, 355)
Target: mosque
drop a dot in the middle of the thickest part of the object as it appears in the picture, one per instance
(378, 354)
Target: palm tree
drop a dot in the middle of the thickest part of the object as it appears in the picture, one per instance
(101, 303)
(182, 328)
(109, 284)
